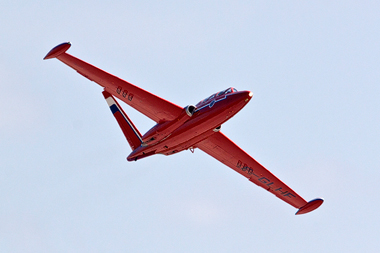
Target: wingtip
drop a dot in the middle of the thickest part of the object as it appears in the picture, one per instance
(310, 206)
(58, 50)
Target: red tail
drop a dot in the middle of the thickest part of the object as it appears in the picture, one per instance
(130, 131)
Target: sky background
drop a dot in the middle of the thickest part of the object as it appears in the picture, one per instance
(65, 184)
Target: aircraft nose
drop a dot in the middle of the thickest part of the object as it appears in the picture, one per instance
(247, 95)
(242, 96)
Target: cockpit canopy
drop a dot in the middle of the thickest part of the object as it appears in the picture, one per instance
(210, 98)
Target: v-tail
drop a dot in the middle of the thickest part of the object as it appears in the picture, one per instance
(130, 131)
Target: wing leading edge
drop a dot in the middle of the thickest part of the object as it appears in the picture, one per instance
(224, 150)
(150, 105)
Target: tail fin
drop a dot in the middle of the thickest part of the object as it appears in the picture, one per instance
(130, 131)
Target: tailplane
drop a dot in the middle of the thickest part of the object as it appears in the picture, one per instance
(130, 132)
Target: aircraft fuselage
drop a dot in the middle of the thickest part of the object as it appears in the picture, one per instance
(204, 122)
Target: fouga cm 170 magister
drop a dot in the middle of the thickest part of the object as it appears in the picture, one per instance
(187, 128)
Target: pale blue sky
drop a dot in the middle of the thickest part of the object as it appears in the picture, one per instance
(65, 185)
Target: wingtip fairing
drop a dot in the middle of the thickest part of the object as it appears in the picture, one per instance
(310, 206)
(58, 50)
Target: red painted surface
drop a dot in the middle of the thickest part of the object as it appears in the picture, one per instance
(180, 128)
(145, 102)
(130, 131)
(310, 206)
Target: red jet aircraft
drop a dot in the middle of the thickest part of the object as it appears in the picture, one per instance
(179, 129)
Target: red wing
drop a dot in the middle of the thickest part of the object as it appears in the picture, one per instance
(227, 152)
(152, 106)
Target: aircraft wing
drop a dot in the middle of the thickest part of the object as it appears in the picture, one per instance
(224, 150)
(152, 106)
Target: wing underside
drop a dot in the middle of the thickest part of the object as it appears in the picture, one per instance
(224, 150)
(152, 106)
